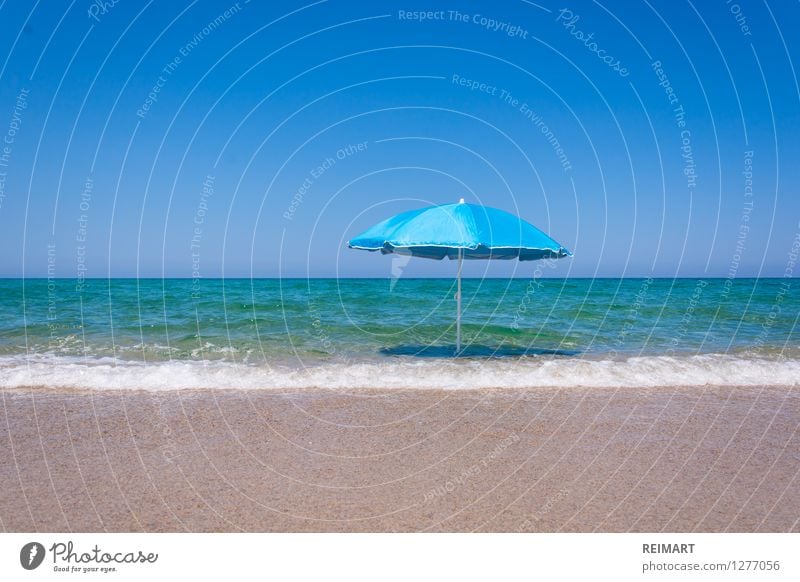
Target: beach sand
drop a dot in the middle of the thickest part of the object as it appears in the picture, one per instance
(539, 460)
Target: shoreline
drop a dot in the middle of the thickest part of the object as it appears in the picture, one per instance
(507, 460)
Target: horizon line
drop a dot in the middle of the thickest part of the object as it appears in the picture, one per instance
(180, 278)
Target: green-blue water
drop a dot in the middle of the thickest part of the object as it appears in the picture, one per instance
(291, 325)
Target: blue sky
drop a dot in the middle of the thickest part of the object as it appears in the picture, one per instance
(253, 139)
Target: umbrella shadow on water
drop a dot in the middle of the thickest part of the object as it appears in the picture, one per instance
(473, 351)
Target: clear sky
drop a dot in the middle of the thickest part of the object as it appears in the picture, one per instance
(254, 138)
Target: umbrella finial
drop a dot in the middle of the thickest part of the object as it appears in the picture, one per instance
(461, 201)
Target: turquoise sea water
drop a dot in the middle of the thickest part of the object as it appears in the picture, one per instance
(263, 333)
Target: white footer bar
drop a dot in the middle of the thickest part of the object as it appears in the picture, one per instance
(372, 557)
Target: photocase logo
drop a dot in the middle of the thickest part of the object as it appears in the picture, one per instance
(31, 555)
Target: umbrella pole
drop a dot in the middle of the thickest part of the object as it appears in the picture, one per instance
(458, 304)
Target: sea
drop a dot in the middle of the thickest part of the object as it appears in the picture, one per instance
(171, 334)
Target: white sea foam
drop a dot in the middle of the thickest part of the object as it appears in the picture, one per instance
(644, 371)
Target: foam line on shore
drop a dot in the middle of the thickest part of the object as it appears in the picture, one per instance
(646, 371)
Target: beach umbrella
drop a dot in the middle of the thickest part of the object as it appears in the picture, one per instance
(459, 231)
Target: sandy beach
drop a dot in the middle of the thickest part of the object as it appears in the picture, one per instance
(539, 460)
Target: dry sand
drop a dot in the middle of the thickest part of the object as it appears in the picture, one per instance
(677, 459)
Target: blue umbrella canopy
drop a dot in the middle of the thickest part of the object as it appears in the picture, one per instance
(459, 230)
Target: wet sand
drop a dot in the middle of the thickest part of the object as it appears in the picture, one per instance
(672, 459)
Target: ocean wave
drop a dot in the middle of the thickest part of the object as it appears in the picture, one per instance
(644, 371)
